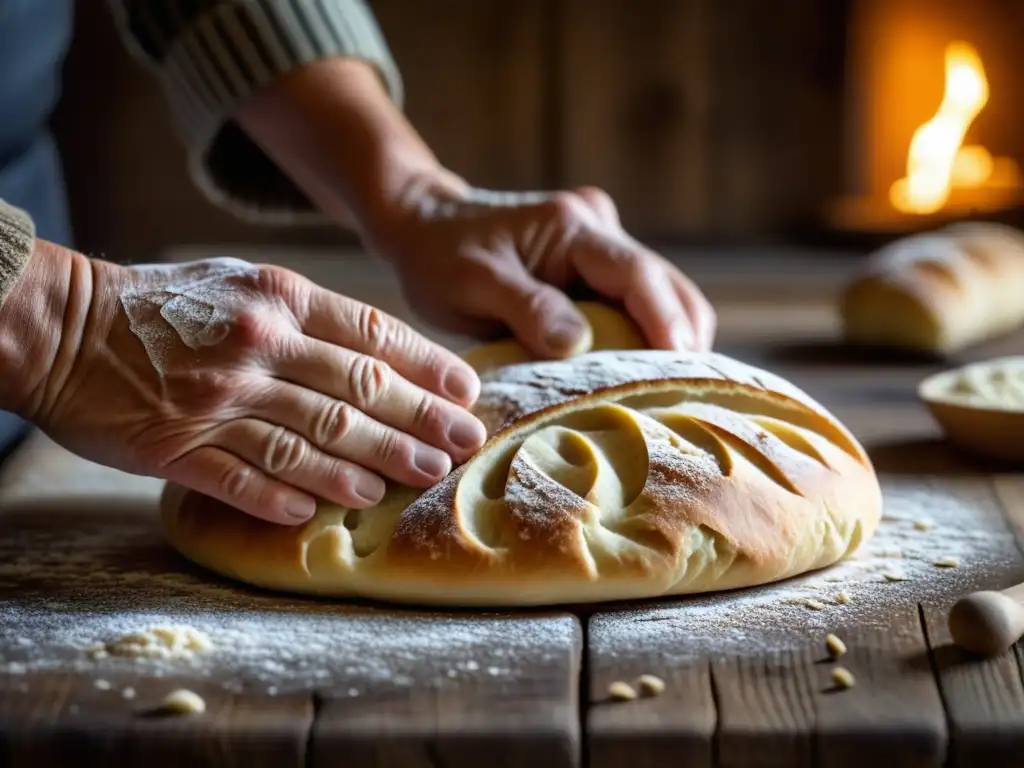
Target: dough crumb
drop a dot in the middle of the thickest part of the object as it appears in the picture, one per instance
(947, 562)
(814, 605)
(924, 524)
(895, 576)
(102, 685)
(128, 693)
(843, 678)
(162, 642)
(620, 691)
(836, 647)
(650, 685)
(843, 597)
(183, 702)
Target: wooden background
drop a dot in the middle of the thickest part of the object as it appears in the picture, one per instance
(706, 120)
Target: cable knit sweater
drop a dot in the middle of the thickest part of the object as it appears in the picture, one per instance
(209, 54)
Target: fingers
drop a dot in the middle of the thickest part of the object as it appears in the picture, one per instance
(698, 309)
(226, 477)
(602, 205)
(346, 323)
(590, 242)
(621, 269)
(539, 315)
(343, 431)
(288, 457)
(397, 406)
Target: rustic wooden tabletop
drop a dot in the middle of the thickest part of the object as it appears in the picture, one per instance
(300, 682)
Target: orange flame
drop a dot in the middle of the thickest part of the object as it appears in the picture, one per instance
(937, 160)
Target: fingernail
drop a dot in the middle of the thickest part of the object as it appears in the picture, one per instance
(682, 338)
(369, 488)
(565, 335)
(300, 507)
(460, 385)
(467, 434)
(431, 462)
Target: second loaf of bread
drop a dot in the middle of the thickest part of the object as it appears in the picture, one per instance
(939, 291)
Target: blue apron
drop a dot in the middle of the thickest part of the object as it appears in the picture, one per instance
(34, 36)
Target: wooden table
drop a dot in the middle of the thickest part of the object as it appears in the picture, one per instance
(300, 682)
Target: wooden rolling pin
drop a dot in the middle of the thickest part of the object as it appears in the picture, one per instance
(988, 622)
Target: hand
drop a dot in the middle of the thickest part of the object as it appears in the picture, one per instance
(467, 258)
(249, 384)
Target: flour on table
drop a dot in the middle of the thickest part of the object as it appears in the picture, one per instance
(71, 585)
(70, 588)
(161, 642)
(893, 571)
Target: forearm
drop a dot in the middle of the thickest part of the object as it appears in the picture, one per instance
(41, 315)
(211, 55)
(332, 127)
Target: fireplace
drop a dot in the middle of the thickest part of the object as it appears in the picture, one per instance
(711, 121)
(933, 115)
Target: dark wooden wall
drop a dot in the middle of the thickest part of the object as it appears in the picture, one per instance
(702, 118)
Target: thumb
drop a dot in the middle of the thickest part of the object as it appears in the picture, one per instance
(541, 317)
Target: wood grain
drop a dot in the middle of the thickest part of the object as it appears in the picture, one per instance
(47, 718)
(528, 715)
(893, 715)
(634, 119)
(984, 698)
(706, 125)
(675, 728)
(474, 77)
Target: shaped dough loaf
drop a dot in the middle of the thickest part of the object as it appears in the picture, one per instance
(939, 291)
(612, 475)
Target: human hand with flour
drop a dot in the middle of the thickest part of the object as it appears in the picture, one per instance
(247, 383)
(469, 260)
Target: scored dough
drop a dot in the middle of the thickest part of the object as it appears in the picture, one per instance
(611, 475)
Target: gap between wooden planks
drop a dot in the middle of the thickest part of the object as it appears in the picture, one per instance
(918, 699)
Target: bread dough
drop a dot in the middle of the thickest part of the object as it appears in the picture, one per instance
(182, 702)
(938, 291)
(612, 475)
(607, 328)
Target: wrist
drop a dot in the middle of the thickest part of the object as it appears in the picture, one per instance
(333, 128)
(44, 311)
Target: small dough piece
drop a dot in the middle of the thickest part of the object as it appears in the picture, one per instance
(162, 642)
(608, 328)
(843, 678)
(615, 475)
(182, 702)
(939, 291)
(620, 691)
(980, 406)
(836, 647)
(650, 685)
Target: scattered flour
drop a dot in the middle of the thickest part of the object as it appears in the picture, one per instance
(859, 592)
(71, 588)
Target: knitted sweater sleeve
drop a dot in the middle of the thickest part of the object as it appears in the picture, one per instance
(17, 235)
(209, 54)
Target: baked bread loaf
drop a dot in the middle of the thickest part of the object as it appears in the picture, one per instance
(612, 475)
(940, 291)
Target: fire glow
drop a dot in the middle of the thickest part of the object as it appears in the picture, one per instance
(938, 162)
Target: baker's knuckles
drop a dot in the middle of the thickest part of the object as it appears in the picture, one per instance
(370, 381)
(284, 452)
